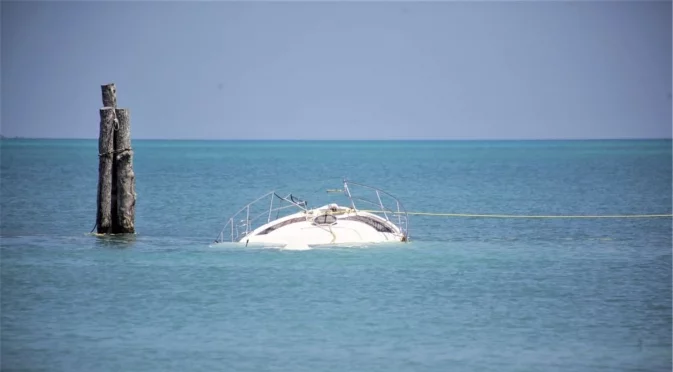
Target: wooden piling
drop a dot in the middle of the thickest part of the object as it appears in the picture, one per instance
(116, 180)
(105, 158)
(109, 92)
(126, 196)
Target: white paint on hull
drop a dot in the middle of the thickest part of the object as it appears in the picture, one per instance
(307, 233)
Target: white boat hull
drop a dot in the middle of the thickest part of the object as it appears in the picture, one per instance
(304, 233)
(345, 230)
(330, 224)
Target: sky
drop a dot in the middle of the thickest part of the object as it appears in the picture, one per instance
(339, 70)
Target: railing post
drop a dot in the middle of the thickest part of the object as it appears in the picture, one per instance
(381, 205)
(399, 215)
(247, 219)
(349, 195)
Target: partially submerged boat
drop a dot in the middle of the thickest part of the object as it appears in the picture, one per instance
(289, 221)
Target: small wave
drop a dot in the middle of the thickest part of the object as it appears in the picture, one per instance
(297, 247)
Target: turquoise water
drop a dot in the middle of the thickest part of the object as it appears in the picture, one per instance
(466, 294)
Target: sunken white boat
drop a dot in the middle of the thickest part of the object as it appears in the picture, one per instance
(369, 216)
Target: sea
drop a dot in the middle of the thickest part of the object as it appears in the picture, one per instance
(466, 293)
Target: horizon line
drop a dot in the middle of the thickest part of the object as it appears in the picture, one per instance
(355, 139)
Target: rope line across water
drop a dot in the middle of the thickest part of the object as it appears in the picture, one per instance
(523, 216)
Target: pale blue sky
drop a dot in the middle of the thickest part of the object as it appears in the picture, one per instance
(340, 70)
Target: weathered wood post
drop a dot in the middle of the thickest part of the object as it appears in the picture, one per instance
(109, 95)
(126, 195)
(105, 153)
(116, 180)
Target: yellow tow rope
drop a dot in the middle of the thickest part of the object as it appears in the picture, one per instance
(512, 215)
(522, 216)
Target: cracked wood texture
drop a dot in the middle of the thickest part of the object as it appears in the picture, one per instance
(105, 147)
(125, 177)
(109, 95)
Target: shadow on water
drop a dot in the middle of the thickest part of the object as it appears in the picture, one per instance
(117, 241)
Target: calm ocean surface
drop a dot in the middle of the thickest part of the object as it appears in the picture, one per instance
(466, 294)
